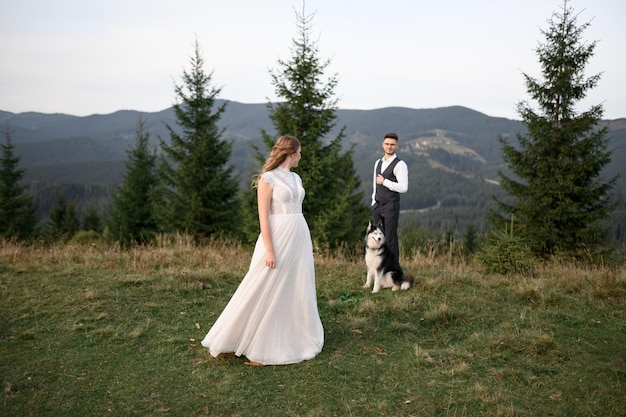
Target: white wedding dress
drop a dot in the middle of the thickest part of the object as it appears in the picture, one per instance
(272, 317)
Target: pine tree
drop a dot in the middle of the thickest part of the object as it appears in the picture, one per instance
(560, 199)
(17, 209)
(199, 192)
(70, 221)
(91, 220)
(132, 218)
(470, 238)
(333, 205)
(53, 230)
(63, 222)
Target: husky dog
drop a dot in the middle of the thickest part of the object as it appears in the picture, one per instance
(383, 267)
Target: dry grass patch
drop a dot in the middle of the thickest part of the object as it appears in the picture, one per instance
(530, 290)
(439, 315)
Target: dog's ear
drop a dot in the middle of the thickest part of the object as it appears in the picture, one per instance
(380, 225)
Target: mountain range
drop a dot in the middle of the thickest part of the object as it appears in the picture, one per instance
(453, 154)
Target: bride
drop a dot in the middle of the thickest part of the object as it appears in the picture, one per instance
(272, 318)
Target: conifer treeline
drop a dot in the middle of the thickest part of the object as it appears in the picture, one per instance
(553, 188)
(186, 186)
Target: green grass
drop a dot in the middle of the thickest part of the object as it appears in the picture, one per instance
(90, 331)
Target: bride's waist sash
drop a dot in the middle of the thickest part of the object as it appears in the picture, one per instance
(286, 208)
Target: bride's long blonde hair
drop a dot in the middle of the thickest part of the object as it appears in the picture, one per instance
(285, 145)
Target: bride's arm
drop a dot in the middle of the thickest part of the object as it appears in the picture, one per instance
(264, 198)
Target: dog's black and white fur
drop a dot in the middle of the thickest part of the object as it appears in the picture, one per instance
(383, 267)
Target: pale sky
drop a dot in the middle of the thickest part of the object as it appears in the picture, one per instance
(85, 57)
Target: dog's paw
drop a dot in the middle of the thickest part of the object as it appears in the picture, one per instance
(366, 286)
(374, 291)
(405, 285)
(395, 288)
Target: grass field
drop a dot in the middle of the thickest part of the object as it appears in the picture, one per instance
(91, 331)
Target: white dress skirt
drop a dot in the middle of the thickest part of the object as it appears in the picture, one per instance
(272, 317)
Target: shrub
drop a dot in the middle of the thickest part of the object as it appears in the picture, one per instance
(506, 253)
(83, 237)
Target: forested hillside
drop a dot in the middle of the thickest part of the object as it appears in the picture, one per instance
(453, 156)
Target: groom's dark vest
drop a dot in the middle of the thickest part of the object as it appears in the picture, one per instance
(384, 194)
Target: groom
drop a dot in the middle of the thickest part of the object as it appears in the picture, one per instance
(391, 178)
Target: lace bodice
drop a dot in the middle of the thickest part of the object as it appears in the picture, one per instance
(287, 191)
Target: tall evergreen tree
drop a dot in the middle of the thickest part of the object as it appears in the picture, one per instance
(199, 191)
(560, 198)
(17, 209)
(132, 218)
(333, 205)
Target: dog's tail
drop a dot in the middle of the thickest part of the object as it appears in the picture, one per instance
(407, 282)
